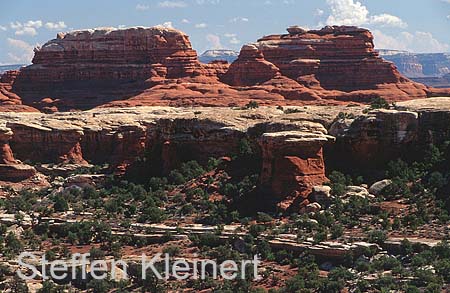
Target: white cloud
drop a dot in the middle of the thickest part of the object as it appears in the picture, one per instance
(419, 42)
(3, 28)
(347, 12)
(26, 31)
(228, 35)
(239, 19)
(14, 58)
(15, 25)
(387, 20)
(184, 20)
(27, 28)
(23, 52)
(203, 2)
(142, 7)
(19, 44)
(352, 12)
(30, 27)
(234, 41)
(319, 12)
(55, 25)
(172, 4)
(201, 25)
(167, 24)
(214, 41)
(33, 23)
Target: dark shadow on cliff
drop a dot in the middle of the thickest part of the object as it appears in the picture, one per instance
(83, 95)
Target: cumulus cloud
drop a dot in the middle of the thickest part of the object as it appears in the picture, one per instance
(26, 31)
(347, 12)
(201, 25)
(184, 20)
(239, 19)
(234, 41)
(55, 25)
(388, 20)
(30, 27)
(167, 24)
(23, 51)
(172, 4)
(33, 23)
(203, 2)
(228, 35)
(351, 12)
(3, 28)
(142, 7)
(214, 41)
(319, 12)
(419, 42)
(15, 43)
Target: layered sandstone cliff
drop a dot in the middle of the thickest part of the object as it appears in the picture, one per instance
(157, 66)
(336, 62)
(162, 138)
(294, 147)
(88, 68)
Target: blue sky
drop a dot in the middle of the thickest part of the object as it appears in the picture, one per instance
(414, 25)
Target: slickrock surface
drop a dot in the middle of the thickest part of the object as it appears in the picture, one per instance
(157, 67)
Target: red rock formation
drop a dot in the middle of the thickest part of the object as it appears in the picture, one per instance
(9, 101)
(292, 165)
(335, 62)
(10, 168)
(47, 144)
(83, 69)
(6, 154)
(251, 69)
(157, 66)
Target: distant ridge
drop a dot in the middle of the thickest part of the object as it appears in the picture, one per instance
(213, 55)
(4, 68)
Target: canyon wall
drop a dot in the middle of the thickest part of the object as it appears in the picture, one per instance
(159, 139)
(289, 144)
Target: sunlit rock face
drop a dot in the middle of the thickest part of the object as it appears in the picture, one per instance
(157, 66)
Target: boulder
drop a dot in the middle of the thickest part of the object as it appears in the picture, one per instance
(83, 180)
(378, 187)
(296, 30)
(358, 191)
(313, 207)
(321, 194)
